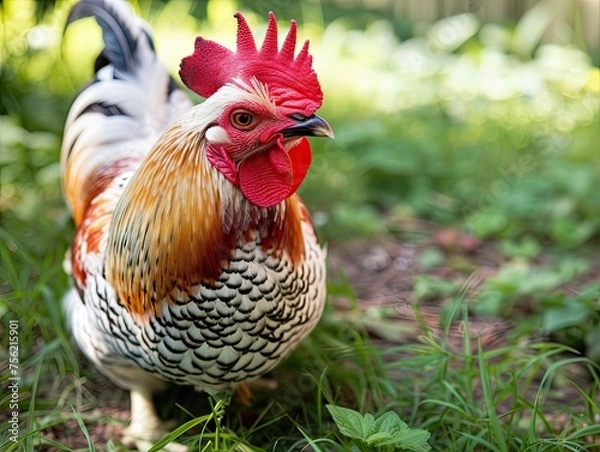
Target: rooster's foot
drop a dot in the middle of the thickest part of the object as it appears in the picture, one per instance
(146, 428)
(243, 392)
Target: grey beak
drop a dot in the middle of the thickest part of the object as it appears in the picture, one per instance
(315, 126)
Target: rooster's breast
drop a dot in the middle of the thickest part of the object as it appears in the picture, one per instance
(234, 329)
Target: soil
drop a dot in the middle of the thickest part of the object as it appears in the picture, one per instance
(381, 273)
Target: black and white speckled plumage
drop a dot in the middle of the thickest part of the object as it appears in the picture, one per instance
(234, 330)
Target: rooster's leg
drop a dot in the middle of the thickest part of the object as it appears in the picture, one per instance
(243, 392)
(146, 427)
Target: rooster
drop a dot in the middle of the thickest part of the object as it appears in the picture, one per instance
(194, 261)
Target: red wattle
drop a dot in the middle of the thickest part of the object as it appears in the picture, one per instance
(301, 156)
(217, 156)
(273, 175)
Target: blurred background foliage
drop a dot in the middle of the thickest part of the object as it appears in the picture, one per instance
(478, 114)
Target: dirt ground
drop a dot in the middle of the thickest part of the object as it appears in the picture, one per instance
(380, 271)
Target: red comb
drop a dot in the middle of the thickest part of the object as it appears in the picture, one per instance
(290, 81)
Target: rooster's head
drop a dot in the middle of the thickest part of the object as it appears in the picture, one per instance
(264, 102)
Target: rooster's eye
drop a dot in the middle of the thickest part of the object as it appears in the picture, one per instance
(243, 119)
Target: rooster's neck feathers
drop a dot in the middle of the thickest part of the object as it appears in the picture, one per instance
(179, 220)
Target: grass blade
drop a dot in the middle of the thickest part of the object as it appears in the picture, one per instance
(489, 402)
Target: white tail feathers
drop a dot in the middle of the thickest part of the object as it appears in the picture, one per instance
(118, 116)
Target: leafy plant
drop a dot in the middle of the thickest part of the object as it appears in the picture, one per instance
(574, 320)
(386, 433)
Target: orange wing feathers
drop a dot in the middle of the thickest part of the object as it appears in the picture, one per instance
(168, 231)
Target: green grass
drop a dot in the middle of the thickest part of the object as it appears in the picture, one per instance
(426, 155)
(500, 399)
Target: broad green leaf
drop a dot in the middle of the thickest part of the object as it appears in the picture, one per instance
(378, 438)
(526, 247)
(571, 314)
(540, 281)
(349, 422)
(431, 258)
(592, 341)
(570, 233)
(367, 425)
(411, 439)
(429, 287)
(389, 422)
(488, 223)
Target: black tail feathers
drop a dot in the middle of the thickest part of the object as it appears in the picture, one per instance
(123, 32)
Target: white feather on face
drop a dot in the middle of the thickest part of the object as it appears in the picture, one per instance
(217, 135)
(204, 116)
